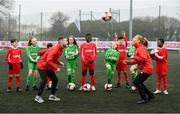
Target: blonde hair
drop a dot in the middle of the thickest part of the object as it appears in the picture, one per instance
(30, 40)
(143, 40)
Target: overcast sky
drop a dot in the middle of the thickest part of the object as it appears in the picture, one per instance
(141, 7)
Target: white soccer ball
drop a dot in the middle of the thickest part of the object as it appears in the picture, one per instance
(133, 88)
(50, 84)
(108, 87)
(71, 86)
(86, 87)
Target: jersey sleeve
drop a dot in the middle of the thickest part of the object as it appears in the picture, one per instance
(7, 58)
(42, 52)
(125, 40)
(142, 56)
(107, 55)
(82, 52)
(94, 51)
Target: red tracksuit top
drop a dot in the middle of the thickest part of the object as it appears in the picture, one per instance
(50, 60)
(122, 49)
(161, 62)
(13, 55)
(142, 58)
(88, 51)
(42, 52)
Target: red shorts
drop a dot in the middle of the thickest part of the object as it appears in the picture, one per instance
(121, 66)
(162, 68)
(15, 70)
(89, 66)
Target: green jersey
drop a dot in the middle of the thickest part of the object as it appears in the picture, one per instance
(71, 51)
(131, 51)
(111, 55)
(32, 53)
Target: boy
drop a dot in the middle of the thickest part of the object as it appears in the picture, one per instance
(14, 60)
(88, 54)
(161, 67)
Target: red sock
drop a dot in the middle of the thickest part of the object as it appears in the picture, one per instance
(165, 81)
(159, 82)
(83, 80)
(119, 77)
(10, 82)
(126, 77)
(17, 81)
(92, 80)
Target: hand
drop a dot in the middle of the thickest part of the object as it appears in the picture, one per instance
(10, 66)
(125, 62)
(21, 65)
(67, 57)
(62, 64)
(58, 70)
(132, 57)
(91, 61)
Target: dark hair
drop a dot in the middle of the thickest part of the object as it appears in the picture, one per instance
(49, 45)
(13, 40)
(88, 35)
(75, 43)
(161, 40)
(61, 38)
(120, 38)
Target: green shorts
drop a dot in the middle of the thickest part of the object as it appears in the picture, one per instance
(71, 64)
(32, 66)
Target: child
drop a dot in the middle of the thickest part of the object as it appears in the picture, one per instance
(111, 57)
(14, 59)
(133, 68)
(48, 65)
(41, 53)
(32, 55)
(120, 66)
(71, 53)
(161, 67)
(88, 54)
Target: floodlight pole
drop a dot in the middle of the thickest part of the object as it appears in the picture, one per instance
(131, 20)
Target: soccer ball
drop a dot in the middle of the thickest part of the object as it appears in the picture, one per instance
(71, 86)
(108, 87)
(153, 52)
(86, 87)
(107, 16)
(133, 88)
(49, 84)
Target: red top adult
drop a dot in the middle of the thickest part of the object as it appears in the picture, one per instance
(142, 58)
(50, 60)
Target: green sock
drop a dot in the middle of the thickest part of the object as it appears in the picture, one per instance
(69, 78)
(73, 78)
(34, 80)
(28, 79)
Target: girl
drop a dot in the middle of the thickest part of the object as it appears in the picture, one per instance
(71, 54)
(111, 57)
(143, 59)
(32, 55)
(161, 67)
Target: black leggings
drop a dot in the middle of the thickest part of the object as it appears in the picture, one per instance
(44, 74)
(138, 82)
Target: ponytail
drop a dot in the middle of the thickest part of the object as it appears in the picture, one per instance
(29, 41)
(143, 40)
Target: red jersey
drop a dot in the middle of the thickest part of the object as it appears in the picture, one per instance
(88, 52)
(161, 61)
(142, 58)
(50, 60)
(122, 49)
(13, 55)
